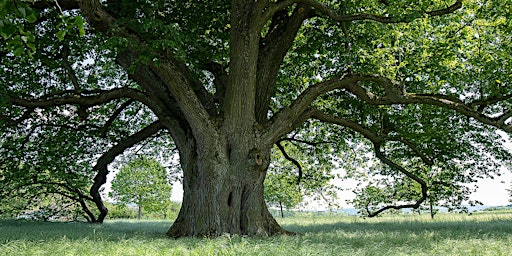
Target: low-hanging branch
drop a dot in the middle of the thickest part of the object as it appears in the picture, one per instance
(378, 141)
(424, 187)
(108, 157)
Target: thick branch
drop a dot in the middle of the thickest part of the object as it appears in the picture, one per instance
(273, 48)
(340, 17)
(99, 97)
(180, 84)
(287, 119)
(168, 74)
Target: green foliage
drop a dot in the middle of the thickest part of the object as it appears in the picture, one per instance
(286, 186)
(143, 182)
(15, 17)
(120, 211)
(282, 190)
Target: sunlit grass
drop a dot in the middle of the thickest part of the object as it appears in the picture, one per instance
(448, 234)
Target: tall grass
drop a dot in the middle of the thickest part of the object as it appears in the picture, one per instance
(482, 234)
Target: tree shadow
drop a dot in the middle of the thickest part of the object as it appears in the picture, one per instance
(419, 235)
(108, 231)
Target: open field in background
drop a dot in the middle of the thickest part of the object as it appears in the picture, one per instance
(322, 234)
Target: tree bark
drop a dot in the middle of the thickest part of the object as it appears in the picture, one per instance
(223, 195)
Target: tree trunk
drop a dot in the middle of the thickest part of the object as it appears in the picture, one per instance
(281, 206)
(139, 211)
(431, 205)
(223, 193)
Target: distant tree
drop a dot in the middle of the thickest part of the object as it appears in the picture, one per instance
(282, 190)
(289, 182)
(510, 192)
(143, 182)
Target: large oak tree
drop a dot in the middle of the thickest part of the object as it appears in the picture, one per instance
(417, 82)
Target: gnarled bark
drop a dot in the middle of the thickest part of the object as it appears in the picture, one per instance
(223, 192)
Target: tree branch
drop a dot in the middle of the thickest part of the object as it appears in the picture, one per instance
(366, 132)
(102, 164)
(339, 17)
(181, 85)
(424, 188)
(85, 98)
(168, 73)
(427, 160)
(273, 48)
(482, 103)
(377, 142)
(310, 143)
(13, 122)
(63, 5)
(291, 159)
(69, 69)
(114, 116)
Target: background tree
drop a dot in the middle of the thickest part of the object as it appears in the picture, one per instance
(143, 182)
(229, 80)
(510, 191)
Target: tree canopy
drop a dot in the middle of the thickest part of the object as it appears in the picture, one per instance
(420, 86)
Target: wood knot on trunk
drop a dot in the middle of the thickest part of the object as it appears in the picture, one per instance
(255, 156)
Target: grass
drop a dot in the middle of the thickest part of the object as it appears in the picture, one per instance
(448, 234)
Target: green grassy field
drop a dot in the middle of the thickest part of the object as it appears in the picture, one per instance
(448, 234)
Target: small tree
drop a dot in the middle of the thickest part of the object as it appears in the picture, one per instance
(142, 182)
(281, 190)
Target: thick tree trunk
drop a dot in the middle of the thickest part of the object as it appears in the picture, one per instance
(223, 195)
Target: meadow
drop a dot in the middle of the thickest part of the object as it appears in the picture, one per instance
(321, 234)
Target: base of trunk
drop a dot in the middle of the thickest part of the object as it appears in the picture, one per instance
(186, 227)
(234, 208)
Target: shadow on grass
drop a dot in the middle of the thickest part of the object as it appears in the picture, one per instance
(416, 235)
(112, 230)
